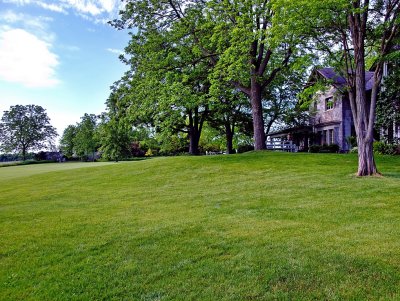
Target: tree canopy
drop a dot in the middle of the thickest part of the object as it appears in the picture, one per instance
(24, 128)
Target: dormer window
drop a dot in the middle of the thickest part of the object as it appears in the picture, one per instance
(329, 103)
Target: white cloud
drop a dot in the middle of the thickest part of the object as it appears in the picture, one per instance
(84, 6)
(89, 9)
(52, 7)
(116, 51)
(27, 59)
(37, 25)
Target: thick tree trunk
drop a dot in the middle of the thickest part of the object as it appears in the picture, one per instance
(366, 162)
(195, 128)
(257, 113)
(362, 109)
(194, 143)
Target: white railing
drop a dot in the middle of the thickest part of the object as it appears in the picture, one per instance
(287, 146)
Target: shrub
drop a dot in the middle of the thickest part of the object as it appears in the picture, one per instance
(383, 148)
(245, 148)
(149, 153)
(331, 148)
(352, 141)
(354, 150)
(315, 148)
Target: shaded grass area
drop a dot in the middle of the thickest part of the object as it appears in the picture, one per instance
(258, 226)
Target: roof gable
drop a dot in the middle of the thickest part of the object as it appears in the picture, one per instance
(339, 81)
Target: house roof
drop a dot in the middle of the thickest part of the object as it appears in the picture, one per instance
(340, 81)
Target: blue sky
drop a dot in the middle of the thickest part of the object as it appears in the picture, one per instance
(61, 55)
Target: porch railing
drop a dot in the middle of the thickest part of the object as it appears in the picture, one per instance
(287, 146)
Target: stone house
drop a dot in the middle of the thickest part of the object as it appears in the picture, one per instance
(331, 119)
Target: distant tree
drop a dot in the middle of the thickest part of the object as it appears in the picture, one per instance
(67, 141)
(24, 128)
(85, 142)
(115, 137)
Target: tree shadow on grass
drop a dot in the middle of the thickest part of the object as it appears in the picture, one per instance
(395, 175)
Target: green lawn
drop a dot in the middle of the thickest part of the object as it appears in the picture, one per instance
(257, 226)
(11, 172)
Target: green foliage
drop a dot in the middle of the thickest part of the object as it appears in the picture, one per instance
(354, 150)
(115, 137)
(383, 148)
(24, 128)
(211, 140)
(85, 141)
(315, 148)
(326, 148)
(67, 145)
(352, 141)
(388, 104)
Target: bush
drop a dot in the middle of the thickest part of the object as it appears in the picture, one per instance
(383, 148)
(354, 150)
(315, 148)
(331, 148)
(245, 148)
(352, 141)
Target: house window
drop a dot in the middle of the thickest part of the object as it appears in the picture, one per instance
(331, 137)
(324, 137)
(328, 103)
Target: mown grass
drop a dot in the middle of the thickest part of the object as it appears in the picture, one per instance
(258, 226)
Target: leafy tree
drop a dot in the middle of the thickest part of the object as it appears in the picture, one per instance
(252, 50)
(24, 128)
(67, 145)
(115, 137)
(85, 142)
(230, 114)
(228, 43)
(388, 105)
(351, 33)
(280, 100)
(167, 85)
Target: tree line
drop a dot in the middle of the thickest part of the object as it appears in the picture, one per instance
(221, 62)
(235, 68)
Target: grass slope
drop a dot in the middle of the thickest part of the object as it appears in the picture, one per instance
(257, 226)
(33, 169)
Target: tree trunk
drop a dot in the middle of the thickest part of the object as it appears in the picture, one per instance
(366, 162)
(194, 138)
(23, 153)
(363, 110)
(229, 138)
(195, 126)
(257, 113)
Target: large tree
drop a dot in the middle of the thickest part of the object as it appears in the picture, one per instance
(231, 43)
(167, 85)
(349, 33)
(114, 133)
(67, 145)
(85, 141)
(24, 128)
(252, 50)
